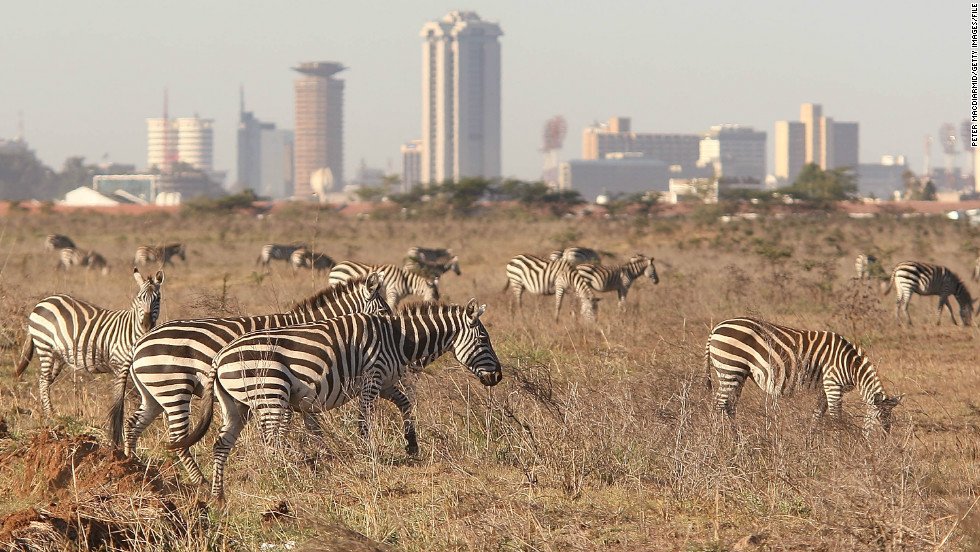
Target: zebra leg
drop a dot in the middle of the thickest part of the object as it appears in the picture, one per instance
(369, 394)
(729, 388)
(944, 301)
(178, 414)
(621, 293)
(404, 405)
(559, 295)
(311, 420)
(832, 397)
(50, 368)
(147, 411)
(234, 415)
(519, 294)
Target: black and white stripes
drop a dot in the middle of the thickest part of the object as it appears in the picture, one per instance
(910, 277)
(398, 282)
(146, 254)
(70, 257)
(781, 360)
(65, 331)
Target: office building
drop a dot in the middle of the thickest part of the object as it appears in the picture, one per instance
(460, 98)
(735, 152)
(810, 115)
(188, 140)
(616, 136)
(411, 164)
(616, 174)
(883, 179)
(790, 141)
(318, 142)
(265, 157)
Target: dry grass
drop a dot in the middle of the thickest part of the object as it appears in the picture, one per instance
(600, 436)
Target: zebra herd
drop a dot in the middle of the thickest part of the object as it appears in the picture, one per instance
(71, 256)
(351, 341)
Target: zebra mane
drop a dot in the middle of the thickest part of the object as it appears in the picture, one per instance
(327, 295)
(422, 308)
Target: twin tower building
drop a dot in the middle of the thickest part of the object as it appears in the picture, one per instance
(460, 116)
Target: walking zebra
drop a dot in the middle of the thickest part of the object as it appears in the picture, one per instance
(315, 367)
(276, 252)
(432, 269)
(171, 363)
(591, 278)
(576, 255)
(534, 274)
(67, 331)
(146, 254)
(781, 360)
(89, 260)
(926, 279)
(397, 281)
(54, 242)
(429, 255)
(304, 258)
(863, 266)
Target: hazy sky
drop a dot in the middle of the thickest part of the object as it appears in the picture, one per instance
(87, 74)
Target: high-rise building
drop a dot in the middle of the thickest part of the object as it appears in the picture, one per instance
(616, 137)
(265, 157)
(790, 142)
(319, 136)
(411, 164)
(460, 98)
(187, 140)
(828, 143)
(810, 115)
(844, 146)
(736, 152)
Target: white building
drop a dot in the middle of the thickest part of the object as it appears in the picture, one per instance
(143, 186)
(735, 152)
(411, 164)
(460, 98)
(614, 175)
(186, 139)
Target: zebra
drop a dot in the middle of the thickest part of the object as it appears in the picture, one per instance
(397, 281)
(320, 366)
(68, 331)
(432, 269)
(863, 266)
(171, 362)
(146, 254)
(54, 242)
(576, 255)
(276, 252)
(598, 278)
(304, 258)
(781, 360)
(429, 255)
(910, 277)
(90, 260)
(534, 274)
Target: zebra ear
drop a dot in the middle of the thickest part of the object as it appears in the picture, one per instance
(159, 278)
(137, 276)
(372, 282)
(470, 307)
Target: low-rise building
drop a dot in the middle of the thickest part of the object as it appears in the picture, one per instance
(624, 174)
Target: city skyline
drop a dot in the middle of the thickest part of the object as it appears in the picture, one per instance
(633, 59)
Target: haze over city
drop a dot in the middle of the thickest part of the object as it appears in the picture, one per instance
(86, 76)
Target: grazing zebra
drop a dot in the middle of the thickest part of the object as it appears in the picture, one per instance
(926, 279)
(432, 269)
(429, 255)
(781, 360)
(171, 363)
(276, 252)
(67, 331)
(146, 254)
(304, 258)
(89, 260)
(397, 281)
(602, 279)
(315, 367)
(576, 255)
(54, 242)
(534, 274)
(863, 265)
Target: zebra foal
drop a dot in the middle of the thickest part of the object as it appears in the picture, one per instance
(68, 331)
(171, 364)
(320, 366)
(910, 277)
(146, 254)
(781, 360)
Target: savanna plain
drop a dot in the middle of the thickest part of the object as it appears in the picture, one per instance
(601, 435)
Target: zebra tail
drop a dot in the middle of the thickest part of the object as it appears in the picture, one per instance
(116, 414)
(707, 365)
(203, 424)
(26, 354)
(506, 286)
(888, 288)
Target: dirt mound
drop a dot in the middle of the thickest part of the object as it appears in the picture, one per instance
(89, 493)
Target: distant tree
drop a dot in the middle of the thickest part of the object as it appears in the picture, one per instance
(816, 184)
(24, 176)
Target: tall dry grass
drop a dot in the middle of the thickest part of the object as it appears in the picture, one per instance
(601, 435)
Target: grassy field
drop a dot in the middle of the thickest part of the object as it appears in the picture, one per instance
(601, 436)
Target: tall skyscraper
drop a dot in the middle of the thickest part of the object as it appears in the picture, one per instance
(810, 115)
(319, 136)
(265, 157)
(187, 140)
(460, 98)
(790, 142)
(844, 146)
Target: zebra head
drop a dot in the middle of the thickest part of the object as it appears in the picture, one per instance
(472, 348)
(966, 312)
(880, 409)
(555, 255)
(374, 295)
(428, 290)
(649, 270)
(147, 302)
